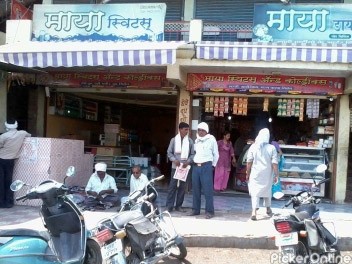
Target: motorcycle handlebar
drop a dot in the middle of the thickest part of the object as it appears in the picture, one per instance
(157, 178)
(289, 202)
(21, 198)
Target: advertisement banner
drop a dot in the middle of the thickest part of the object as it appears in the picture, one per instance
(104, 80)
(252, 83)
(302, 22)
(111, 22)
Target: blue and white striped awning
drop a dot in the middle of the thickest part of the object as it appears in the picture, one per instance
(65, 54)
(254, 51)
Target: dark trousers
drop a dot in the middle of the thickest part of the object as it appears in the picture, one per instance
(6, 171)
(202, 179)
(175, 192)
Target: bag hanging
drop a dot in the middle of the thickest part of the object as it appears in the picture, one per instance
(276, 190)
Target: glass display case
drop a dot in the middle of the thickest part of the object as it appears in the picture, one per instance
(299, 169)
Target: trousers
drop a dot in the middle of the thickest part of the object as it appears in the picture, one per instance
(6, 171)
(175, 192)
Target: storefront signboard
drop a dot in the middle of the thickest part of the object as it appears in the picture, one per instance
(111, 22)
(298, 22)
(104, 80)
(252, 83)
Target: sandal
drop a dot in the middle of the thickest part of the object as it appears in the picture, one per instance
(269, 211)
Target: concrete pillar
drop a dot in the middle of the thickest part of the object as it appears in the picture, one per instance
(342, 142)
(188, 13)
(196, 115)
(36, 111)
(3, 100)
(196, 30)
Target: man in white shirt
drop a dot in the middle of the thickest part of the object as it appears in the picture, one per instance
(205, 159)
(138, 181)
(101, 187)
(10, 144)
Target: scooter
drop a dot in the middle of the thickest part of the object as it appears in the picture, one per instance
(302, 236)
(66, 239)
(147, 235)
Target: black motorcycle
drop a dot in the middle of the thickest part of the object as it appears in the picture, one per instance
(302, 236)
(147, 235)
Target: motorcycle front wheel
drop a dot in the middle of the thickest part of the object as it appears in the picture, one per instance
(93, 253)
(178, 251)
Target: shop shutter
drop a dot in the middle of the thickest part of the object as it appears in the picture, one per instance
(236, 10)
(173, 11)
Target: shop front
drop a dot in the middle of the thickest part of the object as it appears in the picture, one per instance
(300, 112)
(94, 79)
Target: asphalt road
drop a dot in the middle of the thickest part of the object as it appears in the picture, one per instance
(198, 255)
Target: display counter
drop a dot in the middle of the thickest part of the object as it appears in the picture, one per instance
(48, 158)
(299, 169)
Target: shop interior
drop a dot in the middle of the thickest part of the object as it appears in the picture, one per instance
(311, 124)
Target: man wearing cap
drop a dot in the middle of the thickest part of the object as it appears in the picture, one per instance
(179, 152)
(205, 159)
(10, 145)
(101, 187)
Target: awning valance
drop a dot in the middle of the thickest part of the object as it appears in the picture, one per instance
(71, 54)
(257, 51)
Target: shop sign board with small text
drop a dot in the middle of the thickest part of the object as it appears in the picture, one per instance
(266, 84)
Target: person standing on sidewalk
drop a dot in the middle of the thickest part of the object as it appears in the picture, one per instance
(206, 157)
(180, 151)
(261, 167)
(10, 145)
(226, 159)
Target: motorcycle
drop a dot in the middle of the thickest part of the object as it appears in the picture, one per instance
(65, 239)
(147, 235)
(302, 236)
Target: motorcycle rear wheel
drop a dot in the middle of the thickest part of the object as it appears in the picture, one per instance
(178, 251)
(93, 253)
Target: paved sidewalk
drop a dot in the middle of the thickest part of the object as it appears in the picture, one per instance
(231, 226)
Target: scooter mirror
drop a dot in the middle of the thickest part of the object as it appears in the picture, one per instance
(70, 171)
(321, 168)
(16, 185)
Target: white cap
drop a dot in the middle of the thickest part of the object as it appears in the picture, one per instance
(11, 126)
(203, 126)
(100, 166)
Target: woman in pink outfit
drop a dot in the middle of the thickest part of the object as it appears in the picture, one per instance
(223, 167)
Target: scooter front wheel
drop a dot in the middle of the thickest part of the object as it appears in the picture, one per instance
(93, 253)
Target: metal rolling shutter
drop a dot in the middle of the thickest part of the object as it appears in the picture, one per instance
(236, 10)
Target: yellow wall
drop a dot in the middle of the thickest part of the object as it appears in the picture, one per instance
(60, 126)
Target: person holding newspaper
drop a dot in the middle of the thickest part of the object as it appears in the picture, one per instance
(180, 152)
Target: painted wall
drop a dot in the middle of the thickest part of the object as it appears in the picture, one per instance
(64, 127)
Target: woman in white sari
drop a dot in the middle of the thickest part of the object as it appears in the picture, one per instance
(262, 163)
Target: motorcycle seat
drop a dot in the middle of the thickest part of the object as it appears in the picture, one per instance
(121, 219)
(25, 232)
